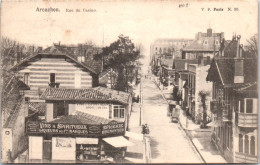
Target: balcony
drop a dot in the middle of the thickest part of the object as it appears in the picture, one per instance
(245, 158)
(54, 85)
(247, 120)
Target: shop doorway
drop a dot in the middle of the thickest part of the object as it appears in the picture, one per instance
(47, 151)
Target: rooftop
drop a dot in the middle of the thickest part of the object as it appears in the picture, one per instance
(81, 118)
(91, 94)
(224, 67)
(56, 51)
(199, 45)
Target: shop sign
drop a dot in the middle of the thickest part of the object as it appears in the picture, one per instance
(59, 128)
(113, 128)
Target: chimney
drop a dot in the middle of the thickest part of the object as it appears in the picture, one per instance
(209, 32)
(198, 37)
(238, 43)
(239, 64)
(222, 35)
(241, 51)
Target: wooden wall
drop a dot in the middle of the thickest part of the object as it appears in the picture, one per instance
(64, 69)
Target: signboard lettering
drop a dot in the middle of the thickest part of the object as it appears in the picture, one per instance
(112, 128)
(57, 128)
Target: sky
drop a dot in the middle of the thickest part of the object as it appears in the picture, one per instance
(143, 21)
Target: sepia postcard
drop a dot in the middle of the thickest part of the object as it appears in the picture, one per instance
(126, 82)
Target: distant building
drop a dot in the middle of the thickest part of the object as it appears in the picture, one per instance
(234, 104)
(108, 78)
(200, 52)
(162, 54)
(205, 45)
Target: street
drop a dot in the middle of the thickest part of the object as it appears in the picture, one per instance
(169, 143)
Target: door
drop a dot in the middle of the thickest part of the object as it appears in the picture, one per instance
(47, 151)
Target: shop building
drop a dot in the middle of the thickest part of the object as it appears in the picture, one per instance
(80, 126)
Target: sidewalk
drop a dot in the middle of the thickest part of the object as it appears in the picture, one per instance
(134, 153)
(201, 138)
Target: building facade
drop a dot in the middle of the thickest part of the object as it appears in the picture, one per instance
(204, 46)
(191, 70)
(234, 99)
(46, 69)
(165, 48)
(79, 126)
(196, 87)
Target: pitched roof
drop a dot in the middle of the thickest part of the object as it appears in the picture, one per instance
(107, 71)
(224, 68)
(54, 51)
(81, 118)
(120, 96)
(106, 75)
(73, 94)
(22, 85)
(14, 114)
(91, 94)
(37, 107)
(198, 45)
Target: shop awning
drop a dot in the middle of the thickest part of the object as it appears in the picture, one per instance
(133, 135)
(86, 140)
(118, 141)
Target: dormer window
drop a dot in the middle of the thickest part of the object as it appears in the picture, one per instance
(205, 42)
(217, 42)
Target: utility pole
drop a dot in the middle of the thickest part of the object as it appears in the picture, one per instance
(102, 57)
(140, 102)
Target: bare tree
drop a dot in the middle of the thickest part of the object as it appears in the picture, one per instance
(251, 46)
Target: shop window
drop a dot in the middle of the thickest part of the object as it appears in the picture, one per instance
(119, 111)
(249, 105)
(240, 141)
(252, 145)
(242, 106)
(246, 144)
(86, 152)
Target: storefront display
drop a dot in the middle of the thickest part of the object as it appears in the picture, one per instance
(99, 143)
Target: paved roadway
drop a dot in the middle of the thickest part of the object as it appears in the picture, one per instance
(169, 143)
